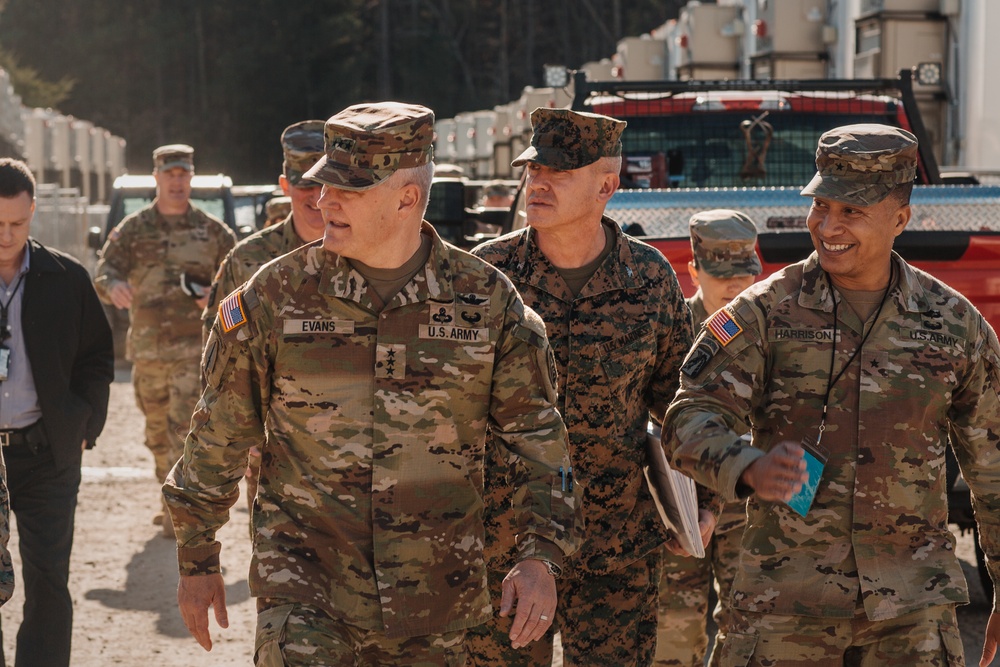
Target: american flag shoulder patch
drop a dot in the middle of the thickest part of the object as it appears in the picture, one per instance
(232, 315)
(724, 327)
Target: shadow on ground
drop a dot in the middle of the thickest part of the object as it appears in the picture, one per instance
(151, 577)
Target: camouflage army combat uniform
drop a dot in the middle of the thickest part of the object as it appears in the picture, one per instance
(723, 247)
(302, 146)
(618, 347)
(164, 339)
(6, 564)
(877, 530)
(865, 571)
(243, 261)
(369, 508)
(685, 581)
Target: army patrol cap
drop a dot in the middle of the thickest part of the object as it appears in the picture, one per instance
(173, 155)
(862, 164)
(302, 145)
(278, 208)
(367, 143)
(722, 242)
(565, 139)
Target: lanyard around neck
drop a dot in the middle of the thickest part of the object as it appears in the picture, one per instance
(830, 378)
(5, 307)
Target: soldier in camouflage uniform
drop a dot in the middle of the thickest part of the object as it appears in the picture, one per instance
(158, 263)
(370, 366)
(302, 145)
(277, 209)
(883, 365)
(724, 260)
(619, 327)
(724, 263)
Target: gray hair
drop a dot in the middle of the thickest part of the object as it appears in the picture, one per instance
(421, 176)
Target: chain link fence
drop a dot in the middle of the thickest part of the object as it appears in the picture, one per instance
(63, 219)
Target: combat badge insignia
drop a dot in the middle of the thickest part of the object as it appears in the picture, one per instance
(724, 327)
(473, 299)
(232, 315)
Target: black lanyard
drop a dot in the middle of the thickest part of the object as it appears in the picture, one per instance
(830, 378)
(5, 308)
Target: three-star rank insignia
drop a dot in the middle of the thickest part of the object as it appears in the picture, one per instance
(390, 361)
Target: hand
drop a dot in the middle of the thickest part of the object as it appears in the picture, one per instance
(83, 446)
(120, 294)
(532, 588)
(706, 526)
(195, 594)
(779, 474)
(992, 638)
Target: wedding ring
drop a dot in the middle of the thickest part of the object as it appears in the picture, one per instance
(543, 617)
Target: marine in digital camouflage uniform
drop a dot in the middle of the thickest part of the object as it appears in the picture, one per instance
(869, 574)
(373, 403)
(143, 267)
(302, 146)
(724, 262)
(619, 328)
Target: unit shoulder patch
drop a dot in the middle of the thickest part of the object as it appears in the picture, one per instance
(699, 357)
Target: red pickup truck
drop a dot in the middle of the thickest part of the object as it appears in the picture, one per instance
(750, 145)
(967, 261)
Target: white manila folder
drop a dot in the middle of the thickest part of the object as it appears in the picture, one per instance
(674, 494)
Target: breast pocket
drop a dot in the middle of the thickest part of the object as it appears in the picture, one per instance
(627, 362)
(630, 354)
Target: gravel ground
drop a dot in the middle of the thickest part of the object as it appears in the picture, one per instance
(124, 574)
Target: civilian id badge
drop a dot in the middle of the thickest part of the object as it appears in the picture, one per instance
(815, 457)
(4, 362)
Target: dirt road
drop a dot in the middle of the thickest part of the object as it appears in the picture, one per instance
(124, 574)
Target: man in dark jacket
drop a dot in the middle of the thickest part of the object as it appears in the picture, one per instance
(56, 367)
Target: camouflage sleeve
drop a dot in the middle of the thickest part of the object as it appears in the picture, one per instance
(222, 286)
(975, 436)
(114, 260)
(524, 419)
(674, 342)
(718, 394)
(6, 565)
(204, 484)
(227, 242)
(674, 337)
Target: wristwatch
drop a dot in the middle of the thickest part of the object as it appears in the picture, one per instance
(554, 569)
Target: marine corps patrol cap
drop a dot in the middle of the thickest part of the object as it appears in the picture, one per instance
(173, 155)
(366, 143)
(722, 242)
(302, 145)
(862, 164)
(565, 139)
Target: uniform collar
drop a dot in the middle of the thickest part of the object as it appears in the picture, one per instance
(908, 293)
(434, 283)
(617, 272)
